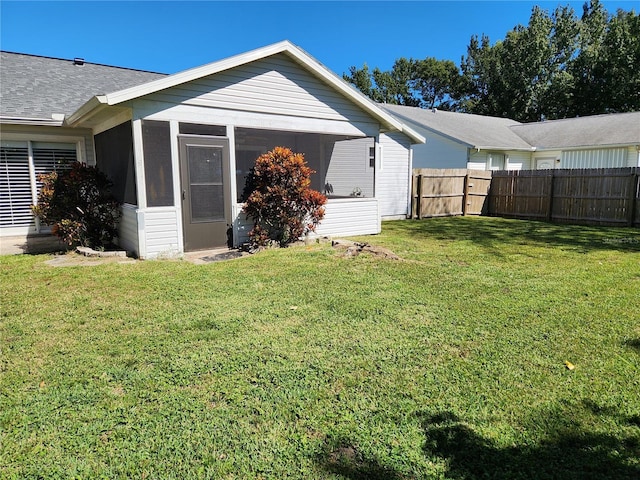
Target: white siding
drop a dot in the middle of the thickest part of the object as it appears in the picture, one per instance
(348, 217)
(597, 158)
(439, 152)
(274, 85)
(160, 227)
(477, 160)
(633, 157)
(392, 177)
(519, 161)
(128, 229)
(349, 168)
(343, 217)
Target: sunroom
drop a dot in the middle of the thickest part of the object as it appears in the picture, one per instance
(179, 149)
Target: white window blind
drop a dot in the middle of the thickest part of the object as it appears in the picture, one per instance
(15, 186)
(17, 183)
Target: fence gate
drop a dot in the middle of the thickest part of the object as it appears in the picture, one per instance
(447, 192)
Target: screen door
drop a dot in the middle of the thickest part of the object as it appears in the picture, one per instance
(206, 200)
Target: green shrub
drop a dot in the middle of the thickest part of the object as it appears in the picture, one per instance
(79, 206)
(281, 203)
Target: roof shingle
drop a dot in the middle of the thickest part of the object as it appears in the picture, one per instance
(37, 87)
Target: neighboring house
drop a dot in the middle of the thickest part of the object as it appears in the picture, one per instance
(460, 140)
(178, 147)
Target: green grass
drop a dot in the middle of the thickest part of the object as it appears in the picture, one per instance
(298, 363)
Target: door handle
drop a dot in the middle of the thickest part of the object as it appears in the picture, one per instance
(184, 194)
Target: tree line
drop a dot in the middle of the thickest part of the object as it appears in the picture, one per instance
(557, 66)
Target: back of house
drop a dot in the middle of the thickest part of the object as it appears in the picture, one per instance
(178, 147)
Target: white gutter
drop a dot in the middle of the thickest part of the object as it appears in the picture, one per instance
(47, 122)
(87, 110)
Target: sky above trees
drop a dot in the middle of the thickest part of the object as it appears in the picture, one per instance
(170, 36)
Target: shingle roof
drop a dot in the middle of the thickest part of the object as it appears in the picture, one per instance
(597, 130)
(472, 130)
(37, 87)
(505, 134)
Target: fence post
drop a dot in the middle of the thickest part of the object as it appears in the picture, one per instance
(631, 211)
(419, 198)
(550, 203)
(465, 195)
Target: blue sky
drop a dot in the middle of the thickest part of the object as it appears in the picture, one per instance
(170, 36)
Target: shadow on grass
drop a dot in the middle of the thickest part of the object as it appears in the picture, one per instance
(634, 344)
(568, 451)
(494, 233)
(572, 453)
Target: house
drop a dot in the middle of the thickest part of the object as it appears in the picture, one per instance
(178, 147)
(460, 140)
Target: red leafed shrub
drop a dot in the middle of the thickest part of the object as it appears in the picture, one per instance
(79, 206)
(281, 203)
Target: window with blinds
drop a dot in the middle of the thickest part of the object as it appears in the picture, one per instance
(19, 180)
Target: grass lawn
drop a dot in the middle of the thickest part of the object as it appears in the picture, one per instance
(298, 363)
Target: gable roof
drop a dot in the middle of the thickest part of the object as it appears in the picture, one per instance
(33, 88)
(82, 91)
(597, 130)
(473, 131)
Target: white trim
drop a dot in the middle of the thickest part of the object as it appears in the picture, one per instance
(43, 122)
(95, 104)
(187, 113)
(174, 131)
(32, 181)
(138, 160)
(410, 183)
(235, 227)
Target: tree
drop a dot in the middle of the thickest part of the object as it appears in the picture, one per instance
(556, 66)
(281, 203)
(419, 83)
(78, 204)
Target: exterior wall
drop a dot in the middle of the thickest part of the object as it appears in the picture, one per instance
(274, 85)
(128, 229)
(477, 160)
(158, 228)
(392, 176)
(343, 217)
(518, 161)
(439, 152)
(595, 158)
(350, 216)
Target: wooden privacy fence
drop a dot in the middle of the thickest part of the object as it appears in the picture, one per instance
(607, 196)
(446, 192)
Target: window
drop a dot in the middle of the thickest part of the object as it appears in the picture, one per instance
(200, 129)
(495, 161)
(342, 164)
(114, 156)
(158, 170)
(20, 164)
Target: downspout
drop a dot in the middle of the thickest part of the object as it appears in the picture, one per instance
(410, 182)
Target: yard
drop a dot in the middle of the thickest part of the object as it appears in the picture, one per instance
(299, 363)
